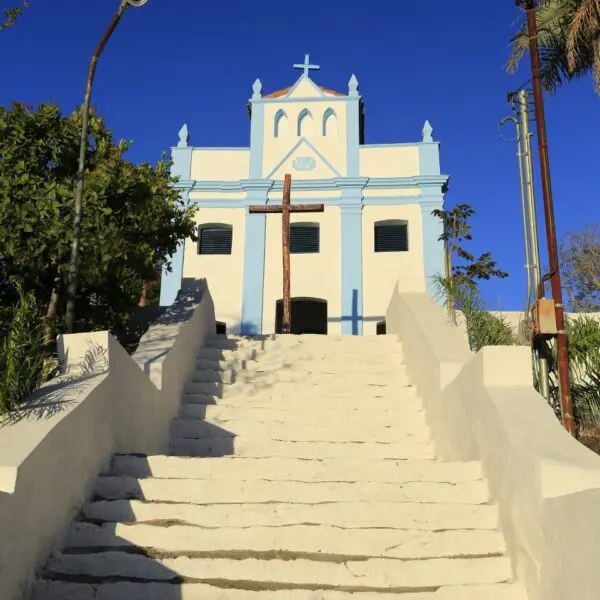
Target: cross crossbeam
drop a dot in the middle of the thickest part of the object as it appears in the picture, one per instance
(306, 66)
(285, 208)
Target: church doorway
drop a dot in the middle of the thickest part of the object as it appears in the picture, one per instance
(309, 315)
(221, 328)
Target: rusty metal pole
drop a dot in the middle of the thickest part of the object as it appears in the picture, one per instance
(285, 226)
(83, 144)
(554, 274)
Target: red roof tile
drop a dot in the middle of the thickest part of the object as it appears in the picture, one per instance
(283, 92)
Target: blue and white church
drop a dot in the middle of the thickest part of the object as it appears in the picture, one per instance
(377, 228)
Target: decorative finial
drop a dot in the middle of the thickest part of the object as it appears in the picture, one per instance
(257, 89)
(306, 66)
(353, 86)
(427, 131)
(184, 136)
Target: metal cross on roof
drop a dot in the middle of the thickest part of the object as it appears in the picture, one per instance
(306, 66)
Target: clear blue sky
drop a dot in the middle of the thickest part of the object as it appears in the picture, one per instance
(176, 61)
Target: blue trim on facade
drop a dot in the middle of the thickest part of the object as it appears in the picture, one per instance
(351, 257)
(433, 250)
(334, 183)
(352, 136)
(429, 159)
(432, 197)
(257, 136)
(222, 148)
(328, 113)
(254, 265)
(170, 281)
(368, 201)
(303, 114)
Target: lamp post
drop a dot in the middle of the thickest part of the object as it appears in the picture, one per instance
(74, 264)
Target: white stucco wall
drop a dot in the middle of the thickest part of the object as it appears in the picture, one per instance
(389, 161)
(220, 164)
(312, 275)
(223, 272)
(381, 270)
(332, 147)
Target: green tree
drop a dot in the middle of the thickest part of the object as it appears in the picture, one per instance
(569, 40)
(580, 261)
(457, 231)
(12, 14)
(133, 217)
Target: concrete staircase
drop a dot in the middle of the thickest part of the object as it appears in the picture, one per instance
(301, 468)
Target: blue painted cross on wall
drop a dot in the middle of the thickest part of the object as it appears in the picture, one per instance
(306, 66)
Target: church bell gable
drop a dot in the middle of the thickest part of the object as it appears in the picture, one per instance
(305, 129)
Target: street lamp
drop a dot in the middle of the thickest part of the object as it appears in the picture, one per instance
(74, 265)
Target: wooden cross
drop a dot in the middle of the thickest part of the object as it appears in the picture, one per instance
(285, 208)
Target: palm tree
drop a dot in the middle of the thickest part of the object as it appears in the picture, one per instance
(569, 40)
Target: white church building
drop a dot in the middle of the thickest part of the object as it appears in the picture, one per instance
(376, 229)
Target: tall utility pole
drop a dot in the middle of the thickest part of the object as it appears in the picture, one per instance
(554, 274)
(83, 144)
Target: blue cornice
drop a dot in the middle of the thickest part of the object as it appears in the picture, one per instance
(335, 183)
(391, 145)
(342, 201)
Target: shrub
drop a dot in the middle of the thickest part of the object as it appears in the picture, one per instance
(25, 361)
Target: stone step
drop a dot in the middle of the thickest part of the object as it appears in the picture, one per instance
(218, 354)
(349, 378)
(290, 469)
(401, 449)
(401, 418)
(306, 365)
(292, 374)
(404, 397)
(302, 541)
(301, 432)
(212, 375)
(377, 574)
(210, 491)
(350, 355)
(353, 515)
(336, 339)
(60, 590)
(309, 387)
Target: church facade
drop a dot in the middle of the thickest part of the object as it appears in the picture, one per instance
(376, 228)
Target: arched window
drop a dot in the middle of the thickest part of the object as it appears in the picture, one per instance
(305, 123)
(391, 236)
(304, 238)
(281, 123)
(215, 238)
(330, 125)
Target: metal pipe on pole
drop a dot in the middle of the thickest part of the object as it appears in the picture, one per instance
(540, 346)
(83, 145)
(554, 275)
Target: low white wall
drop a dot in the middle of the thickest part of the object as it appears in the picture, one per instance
(483, 407)
(52, 451)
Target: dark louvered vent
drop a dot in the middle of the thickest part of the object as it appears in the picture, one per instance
(215, 239)
(304, 239)
(391, 237)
